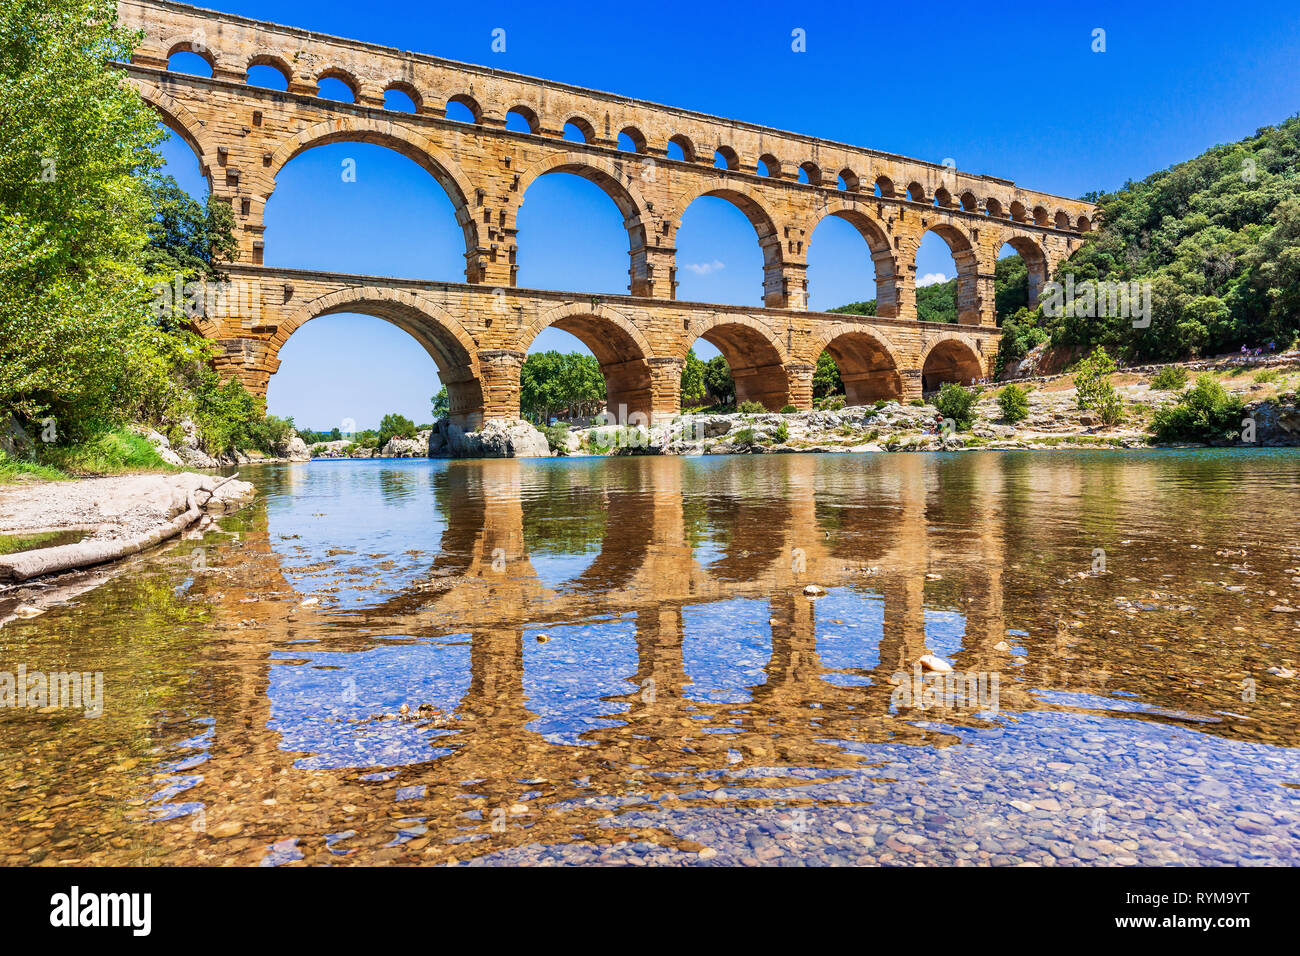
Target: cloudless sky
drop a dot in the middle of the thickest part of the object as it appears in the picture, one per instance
(1009, 89)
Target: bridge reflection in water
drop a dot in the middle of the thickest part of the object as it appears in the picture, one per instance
(622, 660)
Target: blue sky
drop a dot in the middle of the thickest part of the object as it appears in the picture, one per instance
(1011, 89)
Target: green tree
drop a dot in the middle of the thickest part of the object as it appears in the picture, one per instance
(1205, 412)
(1093, 388)
(958, 403)
(1014, 402)
(441, 404)
(718, 380)
(692, 380)
(393, 426)
(826, 377)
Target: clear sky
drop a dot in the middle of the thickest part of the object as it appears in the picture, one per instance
(1010, 89)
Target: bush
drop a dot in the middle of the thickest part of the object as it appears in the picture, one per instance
(1205, 412)
(789, 410)
(1170, 378)
(1014, 402)
(393, 426)
(751, 408)
(743, 437)
(918, 402)
(957, 403)
(1264, 376)
(1094, 390)
(557, 437)
(781, 433)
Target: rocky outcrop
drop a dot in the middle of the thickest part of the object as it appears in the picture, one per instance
(417, 447)
(189, 453)
(1276, 424)
(498, 438)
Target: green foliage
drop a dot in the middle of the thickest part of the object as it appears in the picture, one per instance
(826, 377)
(185, 238)
(1169, 379)
(956, 402)
(554, 382)
(918, 402)
(1205, 412)
(112, 451)
(751, 408)
(441, 404)
(718, 381)
(693, 388)
(744, 436)
(1020, 333)
(1218, 237)
(393, 426)
(781, 433)
(1267, 375)
(1094, 389)
(788, 410)
(1014, 402)
(556, 436)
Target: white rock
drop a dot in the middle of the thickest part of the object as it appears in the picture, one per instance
(936, 664)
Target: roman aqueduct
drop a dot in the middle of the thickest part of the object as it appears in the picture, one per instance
(478, 331)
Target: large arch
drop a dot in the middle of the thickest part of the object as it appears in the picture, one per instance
(769, 239)
(867, 364)
(755, 354)
(966, 260)
(617, 179)
(950, 358)
(452, 348)
(618, 345)
(410, 144)
(1035, 264)
(178, 118)
(882, 252)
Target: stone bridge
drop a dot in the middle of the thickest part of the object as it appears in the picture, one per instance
(478, 331)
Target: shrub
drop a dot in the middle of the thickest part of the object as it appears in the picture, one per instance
(879, 404)
(918, 402)
(393, 426)
(1264, 376)
(789, 410)
(781, 433)
(743, 437)
(1205, 412)
(1014, 402)
(1170, 378)
(557, 437)
(957, 403)
(1094, 390)
(751, 408)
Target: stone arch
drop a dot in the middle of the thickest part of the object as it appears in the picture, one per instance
(1036, 264)
(405, 141)
(193, 43)
(950, 357)
(771, 164)
(756, 355)
(730, 158)
(868, 365)
(178, 118)
(619, 346)
(531, 114)
(402, 86)
(452, 348)
(618, 180)
(636, 137)
(769, 239)
(993, 209)
(966, 259)
(346, 77)
(812, 171)
(1085, 225)
(585, 124)
(916, 192)
(467, 101)
(275, 62)
(885, 186)
(882, 251)
(852, 183)
(687, 146)
(968, 202)
(1062, 220)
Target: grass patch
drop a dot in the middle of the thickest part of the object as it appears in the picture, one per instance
(109, 453)
(12, 469)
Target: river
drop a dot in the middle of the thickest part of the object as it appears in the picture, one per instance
(614, 660)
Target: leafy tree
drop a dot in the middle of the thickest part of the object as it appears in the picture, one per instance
(393, 426)
(1014, 402)
(1205, 412)
(826, 377)
(1170, 378)
(958, 403)
(441, 403)
(693, 390)
(1093, 388)
(718, 380)
(185, 238)
(554, 382)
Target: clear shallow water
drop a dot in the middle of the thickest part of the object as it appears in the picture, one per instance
(618, 663)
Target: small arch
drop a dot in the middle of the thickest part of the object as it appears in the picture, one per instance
(884, 187)
(1035, 260)
(810, 173)
(968, 202)
(406, 100)
(725, 158)
(950, 358)
(848, 181)
(993, 209)
(1018, 213)
(334, 82)
(768, 165)
(1040, 216)
(191, 59)
(943, 198)
(578, 129)
(631, 140)
(1085, 224)
(683, 146)
(1062, 220)
(916, 192)
(463, 108)
(523, 119)
(265, 65)
(866, 363)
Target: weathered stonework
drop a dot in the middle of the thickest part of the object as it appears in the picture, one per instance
(479, 331)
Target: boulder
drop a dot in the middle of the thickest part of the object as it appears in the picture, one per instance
(498, 438)
(417, 447)
(160, 444)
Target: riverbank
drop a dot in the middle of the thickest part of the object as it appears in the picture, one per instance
(50, 528)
